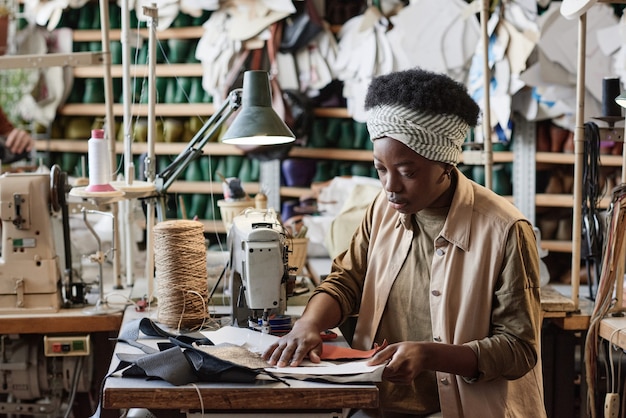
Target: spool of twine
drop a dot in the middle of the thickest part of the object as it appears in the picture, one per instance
(181, 273)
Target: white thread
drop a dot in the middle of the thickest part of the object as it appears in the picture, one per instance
(98, 159)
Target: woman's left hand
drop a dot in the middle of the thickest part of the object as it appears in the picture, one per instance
(404, 360)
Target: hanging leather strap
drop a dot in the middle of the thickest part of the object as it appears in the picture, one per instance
(311, 10)
(278, 103)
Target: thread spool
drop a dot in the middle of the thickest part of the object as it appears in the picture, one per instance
(99, 171)
(610, 90)
(181, 273)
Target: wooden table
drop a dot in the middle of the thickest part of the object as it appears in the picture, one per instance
(561, 311)
(613, 329)
(564, 328)
(64, 321)
(299, 398)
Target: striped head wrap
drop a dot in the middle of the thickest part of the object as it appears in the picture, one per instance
(435, 137)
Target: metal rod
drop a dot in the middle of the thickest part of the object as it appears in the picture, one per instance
(165, 179)
(579, 138)
(152, 13)
(487, 148)
(110, 126)
(129, 165)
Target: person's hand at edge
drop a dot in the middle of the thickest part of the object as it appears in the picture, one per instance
(19, 141)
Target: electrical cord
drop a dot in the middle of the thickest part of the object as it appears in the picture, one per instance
(591, 227)
(614, 383)
(199, 398)
(78, 368)
(606, 285)
(612, 397)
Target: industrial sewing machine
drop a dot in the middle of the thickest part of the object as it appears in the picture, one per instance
(258, 268)
(30, 277)
(36, 372)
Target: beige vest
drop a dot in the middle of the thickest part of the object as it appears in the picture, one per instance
(470, 249)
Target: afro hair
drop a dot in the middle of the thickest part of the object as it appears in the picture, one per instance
(425, 91)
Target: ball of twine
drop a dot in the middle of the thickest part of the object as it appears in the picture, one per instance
(181, 273)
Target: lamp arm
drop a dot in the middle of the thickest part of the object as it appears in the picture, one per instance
(166, 177)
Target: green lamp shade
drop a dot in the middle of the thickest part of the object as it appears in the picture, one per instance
(621, 100)
(257, 123)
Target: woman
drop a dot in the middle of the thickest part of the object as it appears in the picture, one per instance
(442, 272)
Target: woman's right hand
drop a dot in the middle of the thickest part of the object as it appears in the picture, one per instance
(304, 340)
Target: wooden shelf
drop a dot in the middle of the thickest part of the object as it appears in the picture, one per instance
(331, 154)
(219, 149)
(554, 200)
(212, 148)
(216, 227)
(206, 187)
(563, 200)
(332, 112)
(162, 109)
(162, 148)
(568, 159)
(169, 109)
(557, 246)
(91, 35)
(162, 70)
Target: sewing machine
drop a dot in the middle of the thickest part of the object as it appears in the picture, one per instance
(30, 277)
(258, 268)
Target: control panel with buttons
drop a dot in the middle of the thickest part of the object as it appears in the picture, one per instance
(64, 345)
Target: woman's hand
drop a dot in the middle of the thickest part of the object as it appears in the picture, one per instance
(304, 340)
(404, 361)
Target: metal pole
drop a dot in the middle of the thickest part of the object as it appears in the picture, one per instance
(579, 138)
(487, 148)
(110, 129)
(129, 165)
(151, 12)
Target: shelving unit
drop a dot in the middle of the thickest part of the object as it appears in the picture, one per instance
(578, 152)
(527, 161)
(219, 149)
(524, 199)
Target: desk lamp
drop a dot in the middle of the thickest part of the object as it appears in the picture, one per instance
(257, 124)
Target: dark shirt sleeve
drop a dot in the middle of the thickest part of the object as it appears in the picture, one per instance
(513, 347)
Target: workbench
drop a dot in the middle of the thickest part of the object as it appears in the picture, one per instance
(563, 332)
(613, 329)
(299, 398)
(64, 321)
(563, 327)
